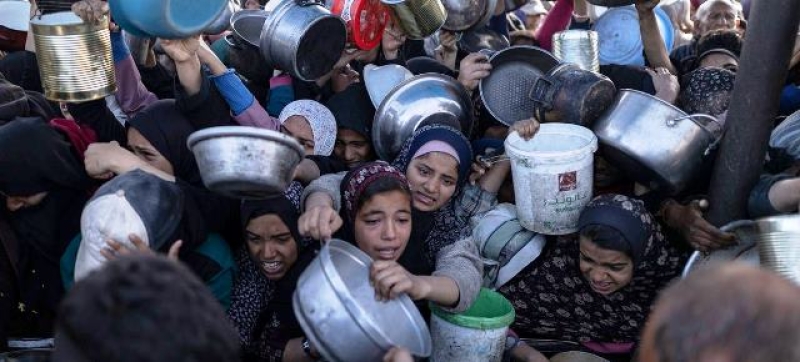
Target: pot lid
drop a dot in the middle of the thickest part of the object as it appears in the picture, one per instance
(15, 14)
(366, 20)
(620, 39)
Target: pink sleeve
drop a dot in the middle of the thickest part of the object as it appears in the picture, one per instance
(557, 19)
(256, 116)
(132, 95)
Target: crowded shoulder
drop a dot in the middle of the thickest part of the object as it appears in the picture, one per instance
(400, 180)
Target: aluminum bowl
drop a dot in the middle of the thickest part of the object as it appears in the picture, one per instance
(381, 80)
(247, 24)
(463, 14)
(245, 162)
(336, 307)
(424, 99)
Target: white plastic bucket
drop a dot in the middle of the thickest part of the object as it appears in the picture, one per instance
(553, 176)
(476, 335)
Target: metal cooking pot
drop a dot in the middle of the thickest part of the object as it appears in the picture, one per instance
(580, 47)
(245, 162)
(223, 20)
(303, 38)
(418, 18)
(654, 142)
(27, 355)
(336, 307)
(506, 92)
(463, 14)
(488, 12)
(424, 99)
(512, 5)
(569, 94)
(75, 60)
(247, 24)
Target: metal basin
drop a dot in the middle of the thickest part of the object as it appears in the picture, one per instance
(463, 14)
(654, 142)
(245, 162)
(424, 99)
(336, 307)
(381, 80)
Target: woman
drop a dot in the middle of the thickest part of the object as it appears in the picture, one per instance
(43, 187)
(157, 138)
(378, 219)
(311, 124)
(269, 267)
(596, 287)
(436, 161)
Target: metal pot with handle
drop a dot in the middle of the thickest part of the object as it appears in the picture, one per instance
(654, 142)
(303, 38)
(569, 94)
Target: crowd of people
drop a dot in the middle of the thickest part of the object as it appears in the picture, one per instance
(210, 278)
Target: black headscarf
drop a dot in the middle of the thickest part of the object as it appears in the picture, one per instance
(35, 158)
(260, 308)
(353, 109)
(167, 129)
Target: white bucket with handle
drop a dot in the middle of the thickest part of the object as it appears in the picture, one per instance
(553, 176)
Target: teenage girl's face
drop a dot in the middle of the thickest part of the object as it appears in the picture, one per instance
(271, 245)
(143, 149)
(607, 271)
(383, 225)
(433, 178)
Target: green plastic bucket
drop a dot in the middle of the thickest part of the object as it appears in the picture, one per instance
(476, 335)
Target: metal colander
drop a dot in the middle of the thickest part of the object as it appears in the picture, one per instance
(507, 93)
(75, 60)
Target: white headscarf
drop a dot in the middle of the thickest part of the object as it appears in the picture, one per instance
(322, 121)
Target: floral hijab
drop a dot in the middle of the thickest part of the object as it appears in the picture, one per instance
(553, 300)
(439, 228)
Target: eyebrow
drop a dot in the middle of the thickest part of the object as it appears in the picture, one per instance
(606, 264)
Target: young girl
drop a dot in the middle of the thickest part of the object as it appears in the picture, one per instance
(378, 211)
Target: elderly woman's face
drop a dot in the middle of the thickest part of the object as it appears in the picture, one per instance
(433, 178)
(383, 225)
(271, 245)
(606, 271)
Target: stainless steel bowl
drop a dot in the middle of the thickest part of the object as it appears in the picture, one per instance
(336, 307)
(463, 14)
(424, 99)
(245, 162)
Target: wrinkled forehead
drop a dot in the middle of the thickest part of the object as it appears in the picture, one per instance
(715, 7)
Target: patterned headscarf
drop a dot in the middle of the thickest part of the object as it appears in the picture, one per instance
(445, 228)
(358, 179)
(323, 124)
(707, 90)
(554, 300)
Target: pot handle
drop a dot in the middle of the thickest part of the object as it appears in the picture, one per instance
(542, 94)
(718, 131)
(487, 52)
